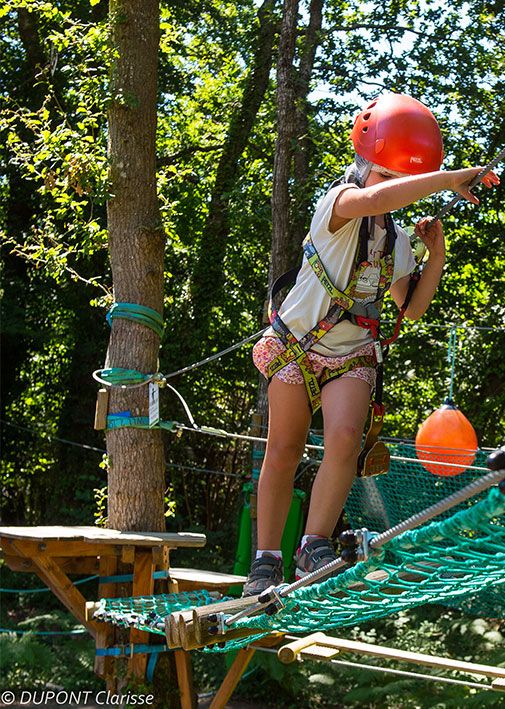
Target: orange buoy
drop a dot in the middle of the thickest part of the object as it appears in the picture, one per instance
(446, 436)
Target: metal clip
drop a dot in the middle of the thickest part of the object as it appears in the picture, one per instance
(218, 626)
(363, 538)
(378, 351)
(272, 596)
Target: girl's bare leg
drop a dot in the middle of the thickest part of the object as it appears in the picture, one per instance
(288, 425)
(345, 405)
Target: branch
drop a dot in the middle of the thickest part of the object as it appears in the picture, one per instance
(375, 26)
(165, 160)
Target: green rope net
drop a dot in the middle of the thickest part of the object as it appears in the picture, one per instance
(149, 612)
(381, 502)
(448, 559)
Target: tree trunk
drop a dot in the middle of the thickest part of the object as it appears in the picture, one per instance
(281, 254)
(304, 145)
(208, 275)
(293, 149)
(136, 246)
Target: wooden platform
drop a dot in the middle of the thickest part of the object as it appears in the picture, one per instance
(55, 552)
(91, 535)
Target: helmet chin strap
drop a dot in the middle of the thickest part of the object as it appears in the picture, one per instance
(387, 171)
(358, 171)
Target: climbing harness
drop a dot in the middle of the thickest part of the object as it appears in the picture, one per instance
(346, 304)
(374, 458)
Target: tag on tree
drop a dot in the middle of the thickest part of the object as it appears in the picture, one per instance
(154, 404)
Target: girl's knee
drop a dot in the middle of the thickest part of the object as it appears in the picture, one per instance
(283, 457)
(343, 441)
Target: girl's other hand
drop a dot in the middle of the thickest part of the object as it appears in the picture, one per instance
(432, 236)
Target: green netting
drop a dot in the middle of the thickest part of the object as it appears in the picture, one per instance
(149, 612)
(447, 559)
(383, 501)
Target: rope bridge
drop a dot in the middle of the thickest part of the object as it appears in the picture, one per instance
(449, 559)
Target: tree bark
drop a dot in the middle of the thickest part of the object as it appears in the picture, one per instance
(292, 152)
(208, 275)
(304, 146)
(281, 255)
(136, 246)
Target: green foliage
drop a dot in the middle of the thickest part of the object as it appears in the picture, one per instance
(28, 661)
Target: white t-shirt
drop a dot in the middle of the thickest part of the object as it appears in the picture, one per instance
(308, 302)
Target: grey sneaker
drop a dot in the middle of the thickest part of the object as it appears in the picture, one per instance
(316, 553)
(266, 571)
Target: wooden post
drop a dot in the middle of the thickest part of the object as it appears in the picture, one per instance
(143, 585)
(237, 669)
(59, 583)
(183, 667)
(105, 636)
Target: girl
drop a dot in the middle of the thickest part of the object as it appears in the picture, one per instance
(320, 352)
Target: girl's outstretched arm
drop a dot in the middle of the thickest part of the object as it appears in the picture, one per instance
(392, 194)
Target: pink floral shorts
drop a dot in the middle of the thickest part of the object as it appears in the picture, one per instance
(267, 349)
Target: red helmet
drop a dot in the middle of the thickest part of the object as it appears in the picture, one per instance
(399, 133)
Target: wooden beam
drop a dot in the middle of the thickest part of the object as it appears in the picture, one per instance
(62, 587)
(232, 678)
(143, 585)
(238, 668)
(183, 665)
(185, 679)
(86, 566)
(288, 653)
(195, 579)
(30, 548)
(106, 633)
(498, 685)
(297, 646)
(100, 535)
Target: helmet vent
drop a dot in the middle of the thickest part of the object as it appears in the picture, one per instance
(366, 116)
(374, 103)
(364, 129)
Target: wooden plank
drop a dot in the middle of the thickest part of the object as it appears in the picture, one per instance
(232, 678)
(195, 579)
(128, 554)
(143, 585)
(185, 679)
(104, 536)
(101, 409)
(319, 652)
(190, 629)
(417, 658)
(498, 684)
(288, 653)
(161, 557)
(63, 588)
(85, 566)
(60, 548)
(106, 632)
